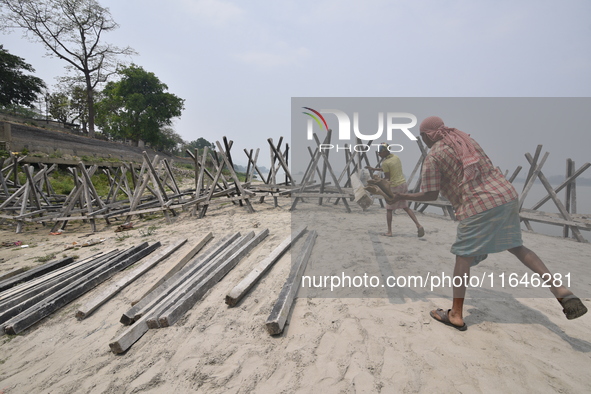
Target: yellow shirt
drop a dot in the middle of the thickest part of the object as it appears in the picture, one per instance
(393, 166)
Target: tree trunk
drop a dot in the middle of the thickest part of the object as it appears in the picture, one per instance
(90, 102)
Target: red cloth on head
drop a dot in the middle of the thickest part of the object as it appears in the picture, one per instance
(461, 143)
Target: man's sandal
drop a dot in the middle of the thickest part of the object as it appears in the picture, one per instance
(573, 307)
(444, 318)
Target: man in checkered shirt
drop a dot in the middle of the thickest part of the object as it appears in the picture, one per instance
(487, 206)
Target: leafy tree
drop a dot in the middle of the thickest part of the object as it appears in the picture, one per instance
(137, 106)
(79, 105)
(69, 105)
(72, 31)
(59, 106)
(16, 87)
(200, 143)
(170, 141)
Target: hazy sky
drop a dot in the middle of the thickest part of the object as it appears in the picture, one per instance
(238, 64)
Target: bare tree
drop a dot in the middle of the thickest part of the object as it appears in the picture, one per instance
(72, 31)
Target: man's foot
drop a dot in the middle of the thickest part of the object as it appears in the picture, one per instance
(446, 318)
(386, 234)
(420, 232)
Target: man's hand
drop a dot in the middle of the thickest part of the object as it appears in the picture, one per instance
(397, 197)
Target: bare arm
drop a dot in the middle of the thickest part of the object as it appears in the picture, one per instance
(421, 196)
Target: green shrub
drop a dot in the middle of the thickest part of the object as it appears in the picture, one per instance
(62, 182)
(46, 258)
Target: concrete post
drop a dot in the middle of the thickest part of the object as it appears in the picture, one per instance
(5, 135)
(6, 132)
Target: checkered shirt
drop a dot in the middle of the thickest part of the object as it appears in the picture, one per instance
(443, 171)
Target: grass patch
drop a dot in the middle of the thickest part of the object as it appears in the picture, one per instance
(149, 231)
(62, 182)
(122, 237)
(101, 184)
(187, 166)
(56, 154)
(46, 258)
(22, 178)
(7, 338)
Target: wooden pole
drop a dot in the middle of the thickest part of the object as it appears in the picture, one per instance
(155, 296)
(173, 313)
(108, 293)
(71, 292)
(567, 193)
(278, 317)
(249, 281)
(179, 264)
(563, 184)
(555, 198)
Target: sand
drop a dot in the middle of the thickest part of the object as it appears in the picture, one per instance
(384, 341)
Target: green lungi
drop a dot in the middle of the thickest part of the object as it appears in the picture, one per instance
(492, 231)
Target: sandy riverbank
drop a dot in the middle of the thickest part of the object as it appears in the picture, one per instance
(383, 342)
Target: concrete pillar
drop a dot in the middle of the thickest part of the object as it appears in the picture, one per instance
(6, 132)
(5, 135)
